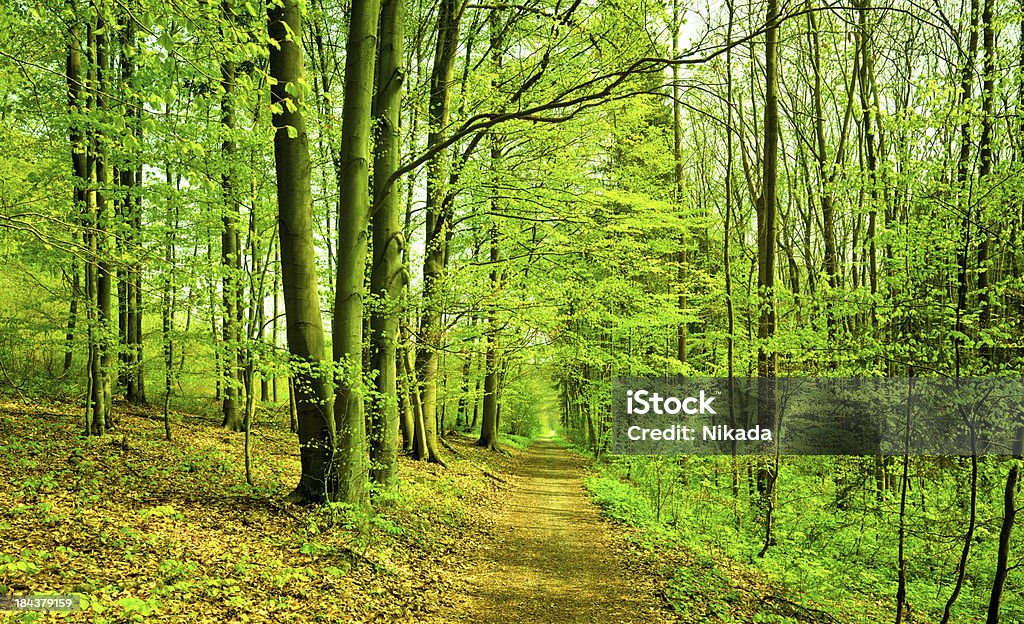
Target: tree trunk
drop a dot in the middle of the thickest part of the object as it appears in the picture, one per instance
(298, 256)
(901, 560)
(406, 410)
(825, 177)
(766, 358)
(131, 181)
(76, 286)
(79, 170)
(1006, 530)
(387, 275)
(727, 250)
(167, 306)
(461, 409)
(419, 435)
(273, 325)
(349, 420)
(988, 97)
(489, 423)
(105, 362)
(963, 169)
(871, 158)
(438, 221)
(677, 173)
(230, 252)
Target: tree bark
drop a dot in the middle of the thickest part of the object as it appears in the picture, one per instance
(677, 174)
(167, 306)
(962, 172)
(131, 181)
(1006, 530)
(79, 168)
(489, 422)
(766, 358)
(104, 370)
(387, 273)
(230, 252)
(988, 96)
(353, 219)
(298, 255)
(438, 221)
(766, 209)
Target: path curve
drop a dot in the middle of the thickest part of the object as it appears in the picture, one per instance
(545, 555)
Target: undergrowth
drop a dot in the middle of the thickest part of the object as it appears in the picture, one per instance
(138, 528)
(833, 558)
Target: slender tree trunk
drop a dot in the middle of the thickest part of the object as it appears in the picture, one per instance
(962, 173)
(387, 275)
(477, 403)
(438, 220)
(273, 325)
(988, 97)
(124, 354)
(351, 267)
(76, 287)
(489, 423)
(293, 414)
(230, 252)
(984, 168)
(870, 157)
(298, 256)
(407, 424)
(131, 181)
(965, 552)
(766, 209)
(79, 169)
(419, 435)
(901, 561)
(726, 248)
(105, 370)
(677, 170)
(1006, 530)
(94, 419)
(824, 176)
(167, 306)
(462, 408)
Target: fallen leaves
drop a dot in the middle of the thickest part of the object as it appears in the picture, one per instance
(146, 530)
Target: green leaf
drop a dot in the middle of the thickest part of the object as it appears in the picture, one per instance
(166, 41)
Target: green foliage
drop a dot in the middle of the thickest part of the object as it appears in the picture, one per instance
(604, 202)
(833, 541)
(138, 609)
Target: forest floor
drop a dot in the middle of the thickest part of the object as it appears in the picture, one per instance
(145, 530)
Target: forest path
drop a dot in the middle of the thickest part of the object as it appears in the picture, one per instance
(545, 555)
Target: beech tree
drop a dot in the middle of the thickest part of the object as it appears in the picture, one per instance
(298, 257)
(387, 277)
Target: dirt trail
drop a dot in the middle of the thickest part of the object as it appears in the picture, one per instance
(546, 555)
